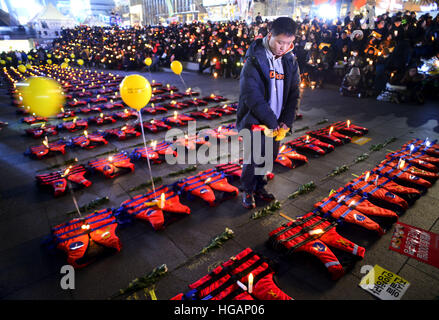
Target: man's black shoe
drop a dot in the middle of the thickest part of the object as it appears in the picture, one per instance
(248, 201)
(263, 195)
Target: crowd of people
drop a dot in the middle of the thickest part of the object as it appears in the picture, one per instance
(362, 60)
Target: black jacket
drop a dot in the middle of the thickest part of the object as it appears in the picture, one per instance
(254, 107)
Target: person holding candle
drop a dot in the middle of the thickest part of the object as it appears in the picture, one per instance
(269, 96)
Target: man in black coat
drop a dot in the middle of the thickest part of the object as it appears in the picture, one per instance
(269, 96)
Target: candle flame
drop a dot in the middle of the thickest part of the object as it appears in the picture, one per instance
(250, 282)
(331, 129)
(85, 226)
(207, 180)
(282, 148)
(46, 142)
(348, 123)
(86, 133)
(367, 176)
(162, 201)
(316, 231)
(175, 115)
(67, 171)
(110, 158)
(401, 164)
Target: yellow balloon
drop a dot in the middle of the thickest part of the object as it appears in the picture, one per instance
(66, 59)
(28, 66)
(22, 68)
(72, 56)
(49, 55)
(42, 95)
(176, 67)
(148, 61)
(135, 91)
(2, 61)
(49, 62)
(64, 65)
(80, 62)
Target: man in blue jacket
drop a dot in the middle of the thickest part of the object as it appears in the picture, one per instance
(269, 96)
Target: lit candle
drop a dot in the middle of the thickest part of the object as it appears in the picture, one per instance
(316, 231)
(46, 142)
(348, 123)
(250, 283)
(367, 176)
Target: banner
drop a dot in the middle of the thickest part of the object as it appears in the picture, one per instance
(384, 284)
(416, 243)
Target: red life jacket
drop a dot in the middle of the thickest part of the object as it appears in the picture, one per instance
(124, 132)
(230, 169)
(101, 120)
(139, 208)
(381, 194)
(175, 105)
(196, 102)
(411, 169)
(126, 114)
(33, 119)
(352, 130)
(191, 142)
(47, 130)
(335, 138)
(157, 154)
(180, 120)
(342, 211)
(222, 282)
(82, 239)
(154, 126)
(205, 114)
(110, 168)
(288, 157)
(72, 126)
(402, 176)
(214, 98)
(224, 110)
(308, 143)
(174, 95)
(356, 201)
(57, 180)
(203, 185)
(42, 151)
(432, 149)
(91, 141)
(418, 159)
(190, 93)
(313, 234)
(155, 109)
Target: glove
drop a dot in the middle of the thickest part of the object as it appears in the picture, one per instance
(281, 133)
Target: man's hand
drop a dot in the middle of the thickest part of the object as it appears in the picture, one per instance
(282, 131)
(271, 133)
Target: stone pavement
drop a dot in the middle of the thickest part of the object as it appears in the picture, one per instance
(29, 271)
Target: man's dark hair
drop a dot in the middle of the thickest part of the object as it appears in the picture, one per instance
(283, 25)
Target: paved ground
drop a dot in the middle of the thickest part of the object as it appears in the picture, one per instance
(29, 271)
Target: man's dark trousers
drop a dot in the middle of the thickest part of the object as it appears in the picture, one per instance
(251, 182)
